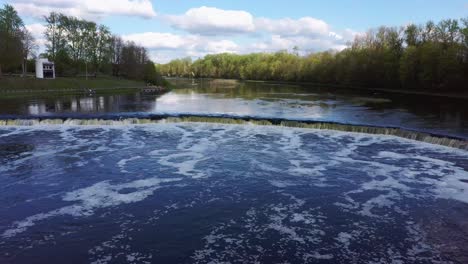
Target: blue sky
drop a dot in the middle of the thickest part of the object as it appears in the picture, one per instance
(358, 14)
(179, 28)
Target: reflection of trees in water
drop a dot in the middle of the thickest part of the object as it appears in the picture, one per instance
(346, 105)
(238, 89)
(94, 104)
(438, 111)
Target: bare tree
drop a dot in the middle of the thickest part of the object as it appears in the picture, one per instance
(116, 54)
(29, 48)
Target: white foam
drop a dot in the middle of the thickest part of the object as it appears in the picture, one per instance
(123, 162)
(381, 201)
(285, 230)
(345, 239)
(103, 260)
(98, 196)
(302, 217)
(439, 178)
(15, 131)
(385, 180)
(191, 150)
(287, 219)
(317, 255)
(391, 155)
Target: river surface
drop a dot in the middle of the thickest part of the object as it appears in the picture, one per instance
(217, 193)
(433, 114)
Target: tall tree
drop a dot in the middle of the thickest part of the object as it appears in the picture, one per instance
(54, 34)
(11, 27)
(10, 22)
(29, 46)
(411, 35)
(103, 47)
(116, 45)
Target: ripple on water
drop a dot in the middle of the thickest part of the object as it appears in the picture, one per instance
(230, 193)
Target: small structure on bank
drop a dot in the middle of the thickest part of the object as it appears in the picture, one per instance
(45, 69)
(153, 89)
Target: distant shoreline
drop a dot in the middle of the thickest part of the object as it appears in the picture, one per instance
(386, 90)
(463, 96)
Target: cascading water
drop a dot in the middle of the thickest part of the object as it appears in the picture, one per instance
(113, 121)
(184, 190)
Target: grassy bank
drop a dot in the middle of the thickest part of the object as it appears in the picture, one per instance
(20, 85)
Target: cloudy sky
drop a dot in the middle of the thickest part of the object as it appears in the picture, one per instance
(179, 28)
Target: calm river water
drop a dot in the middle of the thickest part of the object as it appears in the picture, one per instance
(217, 193)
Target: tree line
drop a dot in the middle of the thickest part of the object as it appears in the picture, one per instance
(424, 57)
(77, 47)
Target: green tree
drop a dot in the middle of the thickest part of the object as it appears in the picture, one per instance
(409, 68)
(412, 35)
(54, 34)
(11, 26)
(430, 56)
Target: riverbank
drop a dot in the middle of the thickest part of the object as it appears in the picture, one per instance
(18, 85)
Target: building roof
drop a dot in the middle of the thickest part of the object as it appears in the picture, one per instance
(44, 61)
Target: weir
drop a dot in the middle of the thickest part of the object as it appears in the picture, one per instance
(136, 119)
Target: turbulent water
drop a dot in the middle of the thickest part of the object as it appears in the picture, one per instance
(113, 120)
(216, 193)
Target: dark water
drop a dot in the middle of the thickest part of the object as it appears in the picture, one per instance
(433, 114)
(196, 193)
(213, 193)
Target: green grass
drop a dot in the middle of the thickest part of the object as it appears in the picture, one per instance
(17, 84)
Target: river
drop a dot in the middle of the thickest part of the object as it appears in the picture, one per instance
(173, 191)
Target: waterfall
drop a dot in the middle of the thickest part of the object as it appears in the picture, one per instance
(154, 119)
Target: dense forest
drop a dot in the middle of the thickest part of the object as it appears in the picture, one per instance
(423, 57)
(76, 46)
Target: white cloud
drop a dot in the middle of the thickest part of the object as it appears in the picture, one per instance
(350, 34)
(167, 46)
(308, 33)
(212, 21)
(163, 45)
(221, 46)
(335, 35)
(37, 30)
(141, 8)
(156, 40)
(305, 44)
(208, 30)
(88, 9)
(293, 27)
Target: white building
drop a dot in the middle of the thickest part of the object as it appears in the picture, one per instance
(45, 69)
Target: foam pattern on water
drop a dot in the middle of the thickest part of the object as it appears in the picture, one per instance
(212, 193)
